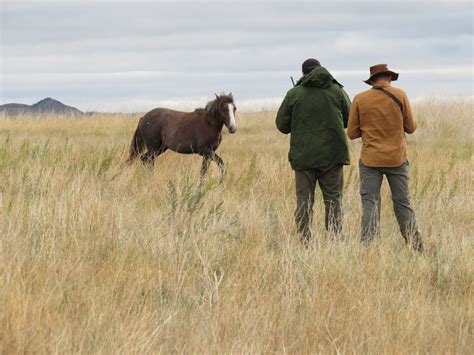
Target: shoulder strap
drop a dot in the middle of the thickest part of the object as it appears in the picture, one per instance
(392, 96)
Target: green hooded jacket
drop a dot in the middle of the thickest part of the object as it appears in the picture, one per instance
(315, 112)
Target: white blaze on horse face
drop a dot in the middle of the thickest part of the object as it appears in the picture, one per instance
(232, 124)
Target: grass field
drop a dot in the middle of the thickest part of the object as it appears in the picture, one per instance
(96, 256)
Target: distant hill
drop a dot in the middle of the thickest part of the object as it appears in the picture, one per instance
(45, 106)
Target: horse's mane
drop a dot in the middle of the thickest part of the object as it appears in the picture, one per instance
(212, 107)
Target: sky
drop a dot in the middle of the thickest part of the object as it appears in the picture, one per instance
(132, 56)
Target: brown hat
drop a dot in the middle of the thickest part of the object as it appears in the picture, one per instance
(380, 69)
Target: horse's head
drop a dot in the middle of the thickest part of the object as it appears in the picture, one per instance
(227, 111)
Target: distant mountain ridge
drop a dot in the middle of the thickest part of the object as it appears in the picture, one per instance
(45, 106)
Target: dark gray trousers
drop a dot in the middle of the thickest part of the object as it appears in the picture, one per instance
(370, 183)
(331, 183)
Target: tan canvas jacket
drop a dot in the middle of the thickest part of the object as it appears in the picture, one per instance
(377, 119)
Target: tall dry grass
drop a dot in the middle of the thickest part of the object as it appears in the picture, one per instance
(99, 257)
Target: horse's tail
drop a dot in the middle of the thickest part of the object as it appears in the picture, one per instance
(136, 146)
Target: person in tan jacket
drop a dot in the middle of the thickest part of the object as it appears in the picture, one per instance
(381, 116)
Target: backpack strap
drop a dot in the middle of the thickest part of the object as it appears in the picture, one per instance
(392, 96)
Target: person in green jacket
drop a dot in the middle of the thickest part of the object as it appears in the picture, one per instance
(316, 112)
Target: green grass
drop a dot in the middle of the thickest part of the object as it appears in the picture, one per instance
(97, 256)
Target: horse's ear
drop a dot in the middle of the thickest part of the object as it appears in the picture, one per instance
(217, 97)
(230, 94)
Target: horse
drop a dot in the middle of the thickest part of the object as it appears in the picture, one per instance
(196, 132)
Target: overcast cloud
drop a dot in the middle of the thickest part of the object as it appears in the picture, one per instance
(133, 56)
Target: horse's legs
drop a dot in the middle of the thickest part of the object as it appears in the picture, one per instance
(148, 158)
(220, 165)
(206, 161)
(209, 155)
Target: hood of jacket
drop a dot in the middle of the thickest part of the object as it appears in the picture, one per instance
(319, 77)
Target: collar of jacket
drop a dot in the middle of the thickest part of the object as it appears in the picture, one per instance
(318, 77)
(382, 84)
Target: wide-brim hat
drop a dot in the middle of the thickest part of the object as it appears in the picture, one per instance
(380, 69)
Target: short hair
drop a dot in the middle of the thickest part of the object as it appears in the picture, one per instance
(380, 75)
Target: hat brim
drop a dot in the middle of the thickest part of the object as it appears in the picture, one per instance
(393, 75)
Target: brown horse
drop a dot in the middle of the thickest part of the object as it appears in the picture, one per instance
(197, 132)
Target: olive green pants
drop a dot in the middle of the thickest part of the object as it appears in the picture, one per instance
(330, 181)
(370, 183)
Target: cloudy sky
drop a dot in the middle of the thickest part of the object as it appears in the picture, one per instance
(132, 56)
